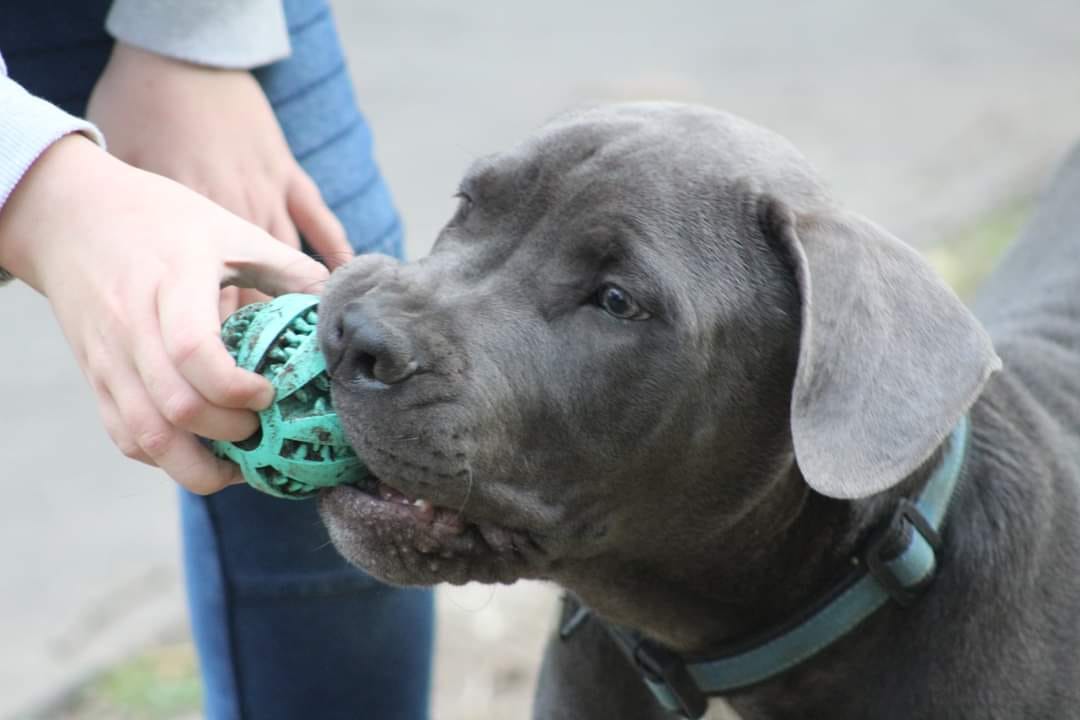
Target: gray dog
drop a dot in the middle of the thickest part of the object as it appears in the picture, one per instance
(651, 360)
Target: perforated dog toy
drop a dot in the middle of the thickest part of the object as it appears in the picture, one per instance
(299, 446)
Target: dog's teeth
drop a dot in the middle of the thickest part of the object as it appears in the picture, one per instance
(389, 494)
(424, 509)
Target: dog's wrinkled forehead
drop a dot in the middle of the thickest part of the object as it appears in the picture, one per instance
(656, 189)
(662, 155)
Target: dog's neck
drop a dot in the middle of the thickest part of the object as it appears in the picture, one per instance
(779, 557)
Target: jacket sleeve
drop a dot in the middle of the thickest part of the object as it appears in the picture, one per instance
(232, 34)
(29, 125)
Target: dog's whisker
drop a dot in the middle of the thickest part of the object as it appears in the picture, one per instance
(468, 491)
(322, 546)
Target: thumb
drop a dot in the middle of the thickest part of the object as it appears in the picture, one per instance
(255, 260)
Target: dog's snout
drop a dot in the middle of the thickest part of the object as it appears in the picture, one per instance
(366, 345)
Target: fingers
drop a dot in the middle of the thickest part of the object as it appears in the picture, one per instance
(188, 321)
(282, 228)
(114, 426)
(146, 435)
(271, 267)
(193, 466)
(248, 296)
(316, 222)
(177, 401)
(228, 302)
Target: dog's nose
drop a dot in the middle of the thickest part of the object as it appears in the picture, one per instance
(366, 345)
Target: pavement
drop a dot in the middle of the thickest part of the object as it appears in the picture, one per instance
(923, 115)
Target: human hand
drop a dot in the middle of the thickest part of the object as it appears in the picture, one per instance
(132, 264)
(214, 131)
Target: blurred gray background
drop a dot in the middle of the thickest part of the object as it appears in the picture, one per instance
(924, 115)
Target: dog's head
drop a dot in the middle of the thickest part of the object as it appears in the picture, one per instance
(635, 324)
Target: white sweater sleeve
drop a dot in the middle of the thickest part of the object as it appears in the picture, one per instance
(234, 34)
(28, 125)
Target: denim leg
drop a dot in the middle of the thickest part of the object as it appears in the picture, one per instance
(285, 628)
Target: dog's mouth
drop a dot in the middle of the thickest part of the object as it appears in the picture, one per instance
(409, 540)
(424, 512)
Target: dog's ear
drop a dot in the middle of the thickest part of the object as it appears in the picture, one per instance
(889, 357)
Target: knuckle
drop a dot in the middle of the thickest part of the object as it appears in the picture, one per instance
(154, 440)
(121, 438)
(129, 448)
(183, 408)
(184, 346)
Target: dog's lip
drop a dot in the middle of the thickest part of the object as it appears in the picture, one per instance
(423, 510)
(382, 527)
(397, 504)
(441, 528)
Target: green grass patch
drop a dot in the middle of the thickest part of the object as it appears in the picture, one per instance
(968, 257)
(162, 683)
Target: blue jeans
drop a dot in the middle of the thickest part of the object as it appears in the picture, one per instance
(283, 626)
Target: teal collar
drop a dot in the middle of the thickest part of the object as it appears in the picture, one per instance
(683, 685)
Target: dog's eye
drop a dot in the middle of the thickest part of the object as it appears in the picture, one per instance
(617, 302)
(465, 203)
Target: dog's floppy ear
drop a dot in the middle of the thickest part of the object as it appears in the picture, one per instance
(889, 358)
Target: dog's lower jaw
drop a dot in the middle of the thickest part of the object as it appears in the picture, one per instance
(404, 544)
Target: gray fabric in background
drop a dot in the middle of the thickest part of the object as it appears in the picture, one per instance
(234, 34)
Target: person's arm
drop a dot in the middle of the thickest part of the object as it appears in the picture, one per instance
(228, 34)
(131, 264)
(172, 101)
(29, 125)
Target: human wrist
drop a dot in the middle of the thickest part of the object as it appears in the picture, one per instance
(149, 62)
(66, 175)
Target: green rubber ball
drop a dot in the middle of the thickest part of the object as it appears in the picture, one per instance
(299, 446)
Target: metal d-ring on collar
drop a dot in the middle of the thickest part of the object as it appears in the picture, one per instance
(684, 685)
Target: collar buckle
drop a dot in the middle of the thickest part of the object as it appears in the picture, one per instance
(670, 680)
(906, 512)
